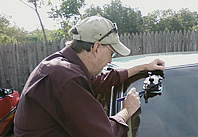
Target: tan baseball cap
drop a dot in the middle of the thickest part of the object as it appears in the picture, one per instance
(98, 28)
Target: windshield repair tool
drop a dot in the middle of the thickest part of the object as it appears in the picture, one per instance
(123, 98)
(152, 86)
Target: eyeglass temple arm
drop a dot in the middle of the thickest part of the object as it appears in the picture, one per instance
(111, 31)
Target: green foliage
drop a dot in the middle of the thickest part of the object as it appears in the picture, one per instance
(14, 35)
(8, 34)
(37, 35)
(37, 4)
(93, 11)
(63, 32)
(128, 20)
(169, 20)
(68, 8)
(68, 12)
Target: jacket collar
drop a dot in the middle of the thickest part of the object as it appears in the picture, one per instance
(72, 57)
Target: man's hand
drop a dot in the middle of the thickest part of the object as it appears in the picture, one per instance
(157, 64)
(132, 101)
(130, 105)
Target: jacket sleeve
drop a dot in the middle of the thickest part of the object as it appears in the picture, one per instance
(104, 82)
(81, 115)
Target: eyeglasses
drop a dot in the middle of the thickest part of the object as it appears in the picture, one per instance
(115, 29)
(113, 54)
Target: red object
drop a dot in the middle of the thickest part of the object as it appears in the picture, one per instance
(8, 103)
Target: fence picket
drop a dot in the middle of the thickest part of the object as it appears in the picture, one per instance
(17, 61)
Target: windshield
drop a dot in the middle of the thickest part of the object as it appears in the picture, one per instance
(174, 113)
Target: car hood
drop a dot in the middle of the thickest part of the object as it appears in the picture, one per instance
(170, 59)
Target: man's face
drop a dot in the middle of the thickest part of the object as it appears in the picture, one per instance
(104, 57)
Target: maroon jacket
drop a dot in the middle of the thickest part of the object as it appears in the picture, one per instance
(58, 100)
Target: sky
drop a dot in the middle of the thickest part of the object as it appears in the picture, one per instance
(26, 18)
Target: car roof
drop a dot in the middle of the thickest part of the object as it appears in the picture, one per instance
(171, 59)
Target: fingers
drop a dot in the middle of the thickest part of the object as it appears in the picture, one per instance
(157, 64)
(132, 101)
(133, 92)
(160, 64)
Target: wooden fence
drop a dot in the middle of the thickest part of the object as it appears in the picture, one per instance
(17, 61)
(147, 43)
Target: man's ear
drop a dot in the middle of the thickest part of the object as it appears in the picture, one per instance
(95, 48)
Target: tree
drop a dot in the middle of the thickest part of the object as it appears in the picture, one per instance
(69, 13)
(169, 20)
(93, 11)
(37, 35)
(36, 5)
(128, 20)
(188, 19)
(3, 29)
(13, 35)
(8, 34)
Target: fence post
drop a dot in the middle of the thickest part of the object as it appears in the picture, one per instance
(17, 61)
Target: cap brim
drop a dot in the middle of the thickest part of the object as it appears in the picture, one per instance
(121, 49)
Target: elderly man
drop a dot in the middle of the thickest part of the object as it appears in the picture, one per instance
(58, 99)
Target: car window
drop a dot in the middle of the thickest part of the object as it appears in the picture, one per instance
(174, 113)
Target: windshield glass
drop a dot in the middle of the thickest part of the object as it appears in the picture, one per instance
(174, 113)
